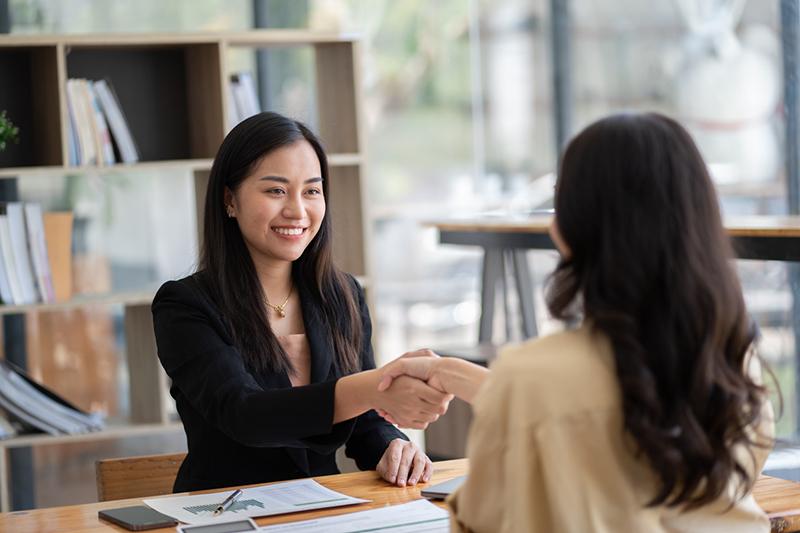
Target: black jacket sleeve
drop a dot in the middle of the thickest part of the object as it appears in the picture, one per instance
(210, 373)
(371, 434)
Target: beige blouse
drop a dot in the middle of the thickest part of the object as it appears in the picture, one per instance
(547, 451)
(297, 348)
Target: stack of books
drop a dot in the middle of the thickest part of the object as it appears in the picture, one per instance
(242, 98)
(98, 131)
(35, 255)
(33, 407)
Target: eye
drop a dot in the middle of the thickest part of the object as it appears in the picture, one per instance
(313, 192)
(277, 191)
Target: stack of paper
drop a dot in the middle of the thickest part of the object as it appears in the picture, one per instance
(417, 516)
(267, 500)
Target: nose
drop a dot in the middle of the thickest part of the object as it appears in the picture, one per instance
(294, 208)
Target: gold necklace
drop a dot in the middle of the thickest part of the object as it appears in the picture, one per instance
(279, 309)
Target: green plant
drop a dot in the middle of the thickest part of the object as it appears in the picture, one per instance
(8, 131)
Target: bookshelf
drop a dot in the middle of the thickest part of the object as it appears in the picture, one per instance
(172, 89)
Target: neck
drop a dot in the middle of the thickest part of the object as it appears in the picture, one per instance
(275, 278)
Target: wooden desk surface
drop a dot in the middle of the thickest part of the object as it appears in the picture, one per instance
(742, 226)
(367, 485)
(778, 497)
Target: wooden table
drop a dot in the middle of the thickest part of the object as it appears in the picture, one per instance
(779, 498)
(504, 240)
(367, 485)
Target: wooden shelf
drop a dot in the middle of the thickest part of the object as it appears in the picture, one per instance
(344, 160)
(334, 160)
(124, 298)
(119, 168)
(112, 432)
(143, 40)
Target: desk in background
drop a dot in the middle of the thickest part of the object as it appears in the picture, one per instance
(504, 241)
(779, 498)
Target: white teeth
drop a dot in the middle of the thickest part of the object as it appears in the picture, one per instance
(287, 231)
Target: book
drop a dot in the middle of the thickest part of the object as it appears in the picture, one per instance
(102, 135)
(58, 236)
(34, 222)
(5, 285)
(244, 95)
(20, 251)
(73, 143)
(233, 113)
(91, 126)
(76, 99)
(7, 253)
(39, 408)
(116, 121)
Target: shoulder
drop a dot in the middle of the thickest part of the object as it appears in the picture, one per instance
(190, 291)
(557, 374)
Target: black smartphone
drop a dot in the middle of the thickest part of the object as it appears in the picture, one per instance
(137, 518)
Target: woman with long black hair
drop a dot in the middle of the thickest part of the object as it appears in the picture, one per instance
(649, 416)
(269, 345)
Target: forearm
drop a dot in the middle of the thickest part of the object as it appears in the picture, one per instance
(460, 378)
(355, 395)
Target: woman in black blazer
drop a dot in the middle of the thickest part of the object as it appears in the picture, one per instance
(266, 390)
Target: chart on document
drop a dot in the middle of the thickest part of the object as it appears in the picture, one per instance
(267, 500)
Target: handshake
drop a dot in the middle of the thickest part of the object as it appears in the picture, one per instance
(416, 389)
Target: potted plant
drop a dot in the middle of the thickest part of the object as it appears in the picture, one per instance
(8, 131)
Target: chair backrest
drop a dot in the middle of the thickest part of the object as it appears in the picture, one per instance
(136, 477)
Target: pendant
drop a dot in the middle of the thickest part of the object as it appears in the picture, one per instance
(280, 311)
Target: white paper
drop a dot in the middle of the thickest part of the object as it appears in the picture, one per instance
(417, 516)
(267, 500)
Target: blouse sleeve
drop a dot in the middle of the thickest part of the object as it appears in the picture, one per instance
(212, 376)
(504, 486)
(371, 434)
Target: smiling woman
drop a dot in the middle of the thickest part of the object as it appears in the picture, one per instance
(266, 390)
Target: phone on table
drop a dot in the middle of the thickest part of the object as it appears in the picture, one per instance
(137, 518)
(233, 526)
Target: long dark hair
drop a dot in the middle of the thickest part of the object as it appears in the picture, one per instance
(651, 265)
(228, 269)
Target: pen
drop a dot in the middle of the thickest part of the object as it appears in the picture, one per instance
(228, 502)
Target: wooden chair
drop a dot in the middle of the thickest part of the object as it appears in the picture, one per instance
(137, 477)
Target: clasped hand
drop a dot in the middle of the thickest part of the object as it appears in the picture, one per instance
(410, 396)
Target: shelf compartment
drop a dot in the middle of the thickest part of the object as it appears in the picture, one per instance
(171, 95)
(130, 298)
(110, 432)
(30, 94)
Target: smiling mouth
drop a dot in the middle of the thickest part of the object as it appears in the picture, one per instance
(289, 231)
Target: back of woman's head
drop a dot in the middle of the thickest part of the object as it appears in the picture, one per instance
(651, 265)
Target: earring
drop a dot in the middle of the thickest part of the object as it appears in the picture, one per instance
(229, 210)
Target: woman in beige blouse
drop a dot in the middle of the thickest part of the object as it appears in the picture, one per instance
(651, 415)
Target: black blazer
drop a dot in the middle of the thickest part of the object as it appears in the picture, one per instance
(246, 427)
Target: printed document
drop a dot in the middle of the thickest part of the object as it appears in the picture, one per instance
(267, 500)
(417, 516)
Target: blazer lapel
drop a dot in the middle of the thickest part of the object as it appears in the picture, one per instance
(319, 341)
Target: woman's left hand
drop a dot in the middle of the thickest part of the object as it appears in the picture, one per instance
(403, 463)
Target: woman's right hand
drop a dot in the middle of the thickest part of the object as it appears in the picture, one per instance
(420, 364)
(412, 403)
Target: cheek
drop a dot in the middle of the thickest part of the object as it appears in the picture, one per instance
(318, 214)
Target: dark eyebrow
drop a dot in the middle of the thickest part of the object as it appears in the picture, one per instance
(281, 179)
